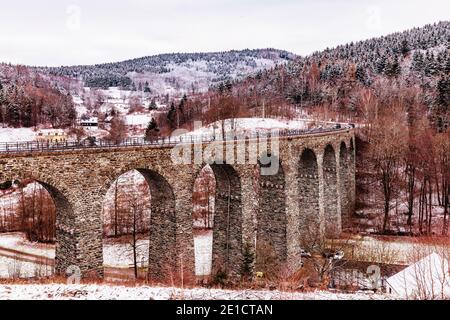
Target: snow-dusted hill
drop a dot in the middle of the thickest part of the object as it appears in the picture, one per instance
(178, 72)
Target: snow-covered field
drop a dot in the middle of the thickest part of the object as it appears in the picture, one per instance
(249, 124)
(113, 98)
(11, 268)
(17, 241)
(11, 135)
(203, 253)
(22, 259)
(138, 119)
(115, 255)
(108, 292)
(244, 126)
(398, 250)
(118, 255)
(121, 255)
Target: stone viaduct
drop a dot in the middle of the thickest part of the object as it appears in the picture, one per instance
(315, 185)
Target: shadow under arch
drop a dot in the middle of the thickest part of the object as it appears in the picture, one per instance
(351, 149)
(344, 185)
(351, 176)
(332, 218)
(163, 253)
(309, 210)
(227, 234)
(66, 253)
(271, 220)
(163, 250)
(66, 248)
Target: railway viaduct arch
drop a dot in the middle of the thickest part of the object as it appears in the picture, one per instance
(315, 183)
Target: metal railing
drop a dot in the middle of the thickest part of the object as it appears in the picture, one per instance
(36, 146)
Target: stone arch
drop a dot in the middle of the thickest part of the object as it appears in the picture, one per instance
(227, 234)
(203, 188)
(162, 235)
(66, 243)
(351, 176)
(66, 253)
(308, 182)
(331, 210)
(46, 179)
(163, 250)
(351, 149)
(344, 186)
(271, 216)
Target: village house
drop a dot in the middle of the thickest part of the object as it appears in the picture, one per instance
(427, 279)
(51, 136)
(91, 123)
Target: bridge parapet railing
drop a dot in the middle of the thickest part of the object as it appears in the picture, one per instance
(36, 146)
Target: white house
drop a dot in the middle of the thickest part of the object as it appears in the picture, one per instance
(138, 120)
(51, 136)
(426, 279)
(91, 123)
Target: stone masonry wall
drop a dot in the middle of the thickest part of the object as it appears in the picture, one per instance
(332, 211)
(79, 179)
(272, 219)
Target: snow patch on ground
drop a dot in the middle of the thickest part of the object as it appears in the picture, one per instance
(17, 241)
(247, 126)
(120, 255)
(402, 251)
(109, 292)
(11, 135)
(13, 268)
(138, 119)
(203, 252)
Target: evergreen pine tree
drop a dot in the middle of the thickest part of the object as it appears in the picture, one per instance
(2, 95)
(430, 64)
(172, 114)
(360, 74)
(147, 88)
(404, 47)
(380, 64)
(446, 65)
(152, 130)
(393, 68)
(418, 61)
(153, 105)
(443, 93)
(182, 104)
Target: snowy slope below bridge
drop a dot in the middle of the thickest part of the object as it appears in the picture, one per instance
(109, 292)
(245, 126)
(11, 135)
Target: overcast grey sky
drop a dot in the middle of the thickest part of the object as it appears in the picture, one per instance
(62, 32)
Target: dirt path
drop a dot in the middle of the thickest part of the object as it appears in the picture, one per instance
(26, 257)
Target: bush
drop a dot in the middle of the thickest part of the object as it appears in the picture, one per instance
(6, 185)
(220, 278)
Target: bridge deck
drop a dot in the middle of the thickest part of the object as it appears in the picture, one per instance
(169, 142)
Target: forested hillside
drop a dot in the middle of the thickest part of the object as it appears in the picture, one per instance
(340, 79)
(187, 72)
(28, 99)
(397, 89)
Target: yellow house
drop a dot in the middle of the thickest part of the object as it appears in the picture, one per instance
(51, 136)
